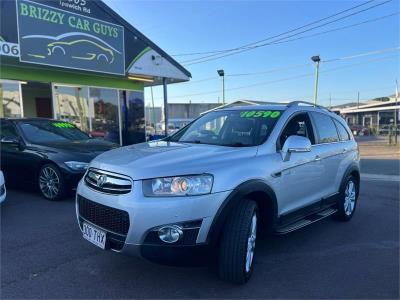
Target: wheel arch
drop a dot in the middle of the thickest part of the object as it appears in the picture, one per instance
(44, 162)
(257, 190)
(352, 170)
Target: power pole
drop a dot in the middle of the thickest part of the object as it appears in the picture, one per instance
(395, 113)
(330, 101)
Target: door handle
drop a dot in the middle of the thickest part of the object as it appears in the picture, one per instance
(344, 150)
(276, 174)
(317, 158)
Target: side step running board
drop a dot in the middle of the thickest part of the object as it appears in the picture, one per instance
(306, 221)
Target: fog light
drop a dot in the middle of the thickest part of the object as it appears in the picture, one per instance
(170, 234)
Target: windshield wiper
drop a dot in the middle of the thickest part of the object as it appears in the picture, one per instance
(237, 144)
(192, 142)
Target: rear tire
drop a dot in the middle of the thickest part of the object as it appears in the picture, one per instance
(237, 245)
(50, 182)
(348, 196)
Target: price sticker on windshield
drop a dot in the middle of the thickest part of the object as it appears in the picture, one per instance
(260, 114)
(63, 125)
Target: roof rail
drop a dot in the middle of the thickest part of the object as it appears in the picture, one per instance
(298, 103)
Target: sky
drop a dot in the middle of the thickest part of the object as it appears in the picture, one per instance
(286, 71)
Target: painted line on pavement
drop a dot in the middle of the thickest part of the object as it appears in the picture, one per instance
(380, 177)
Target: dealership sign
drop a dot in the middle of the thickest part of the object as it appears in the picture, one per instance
(9, 49)
(55, 37)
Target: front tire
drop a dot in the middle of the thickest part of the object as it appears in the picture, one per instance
(347, 202)
(237, 245)
(51, 183)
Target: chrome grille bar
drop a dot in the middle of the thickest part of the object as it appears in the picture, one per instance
(108, 182)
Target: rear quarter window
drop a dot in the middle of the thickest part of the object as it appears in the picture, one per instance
(326, 129)
(344, 135)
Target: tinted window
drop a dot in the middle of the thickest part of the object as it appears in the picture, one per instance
(49, 131)
(105, 123)
(7, 130)
(325, 127)
(343, 133)
(230, 128)
(298, 125)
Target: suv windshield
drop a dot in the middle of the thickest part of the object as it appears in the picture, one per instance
(42, 131)
(237, 128)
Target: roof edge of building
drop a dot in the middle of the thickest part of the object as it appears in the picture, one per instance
(130, 27)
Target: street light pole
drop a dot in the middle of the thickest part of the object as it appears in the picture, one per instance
(358, 107)
(221, 74)
(316, 59)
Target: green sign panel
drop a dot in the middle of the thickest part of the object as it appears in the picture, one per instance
(55, 37)
(260, 114)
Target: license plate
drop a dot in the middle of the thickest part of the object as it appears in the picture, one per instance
(94, 235)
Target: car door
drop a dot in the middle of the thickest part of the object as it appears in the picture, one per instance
(20, 160)
(300, 176)
(347, 150)
(10, 151)
(330, 151)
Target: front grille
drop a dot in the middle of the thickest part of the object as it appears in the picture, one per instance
(107, 182)
(108, 218)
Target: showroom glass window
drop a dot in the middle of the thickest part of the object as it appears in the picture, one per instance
(72, 105)
(10, 99)
(105, 116)
(132, 116)
(326, 129)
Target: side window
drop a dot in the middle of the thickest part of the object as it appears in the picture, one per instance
(325, 128)
(300, 125)
(343, 133)
(7, 130)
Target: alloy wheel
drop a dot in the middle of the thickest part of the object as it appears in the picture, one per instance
(349, 198)
(251, 242)
(49, 182)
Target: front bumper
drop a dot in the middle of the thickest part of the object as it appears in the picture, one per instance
(146, 214)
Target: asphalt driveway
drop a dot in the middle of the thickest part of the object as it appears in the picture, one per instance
(44, 256)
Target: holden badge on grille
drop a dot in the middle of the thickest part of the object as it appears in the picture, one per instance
(101, 180)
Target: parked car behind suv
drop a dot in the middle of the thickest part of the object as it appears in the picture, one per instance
(215, 185)
(53, 155)
(360, 130)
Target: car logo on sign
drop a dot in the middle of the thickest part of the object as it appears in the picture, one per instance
(101, 180)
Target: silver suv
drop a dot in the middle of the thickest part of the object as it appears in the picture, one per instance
(213, 187)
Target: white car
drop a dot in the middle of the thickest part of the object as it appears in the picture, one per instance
(2, 187)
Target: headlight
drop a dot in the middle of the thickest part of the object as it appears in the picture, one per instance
(77, 165)
(178, 186)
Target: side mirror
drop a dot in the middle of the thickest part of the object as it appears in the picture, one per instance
(295, 144)
(10, 140)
